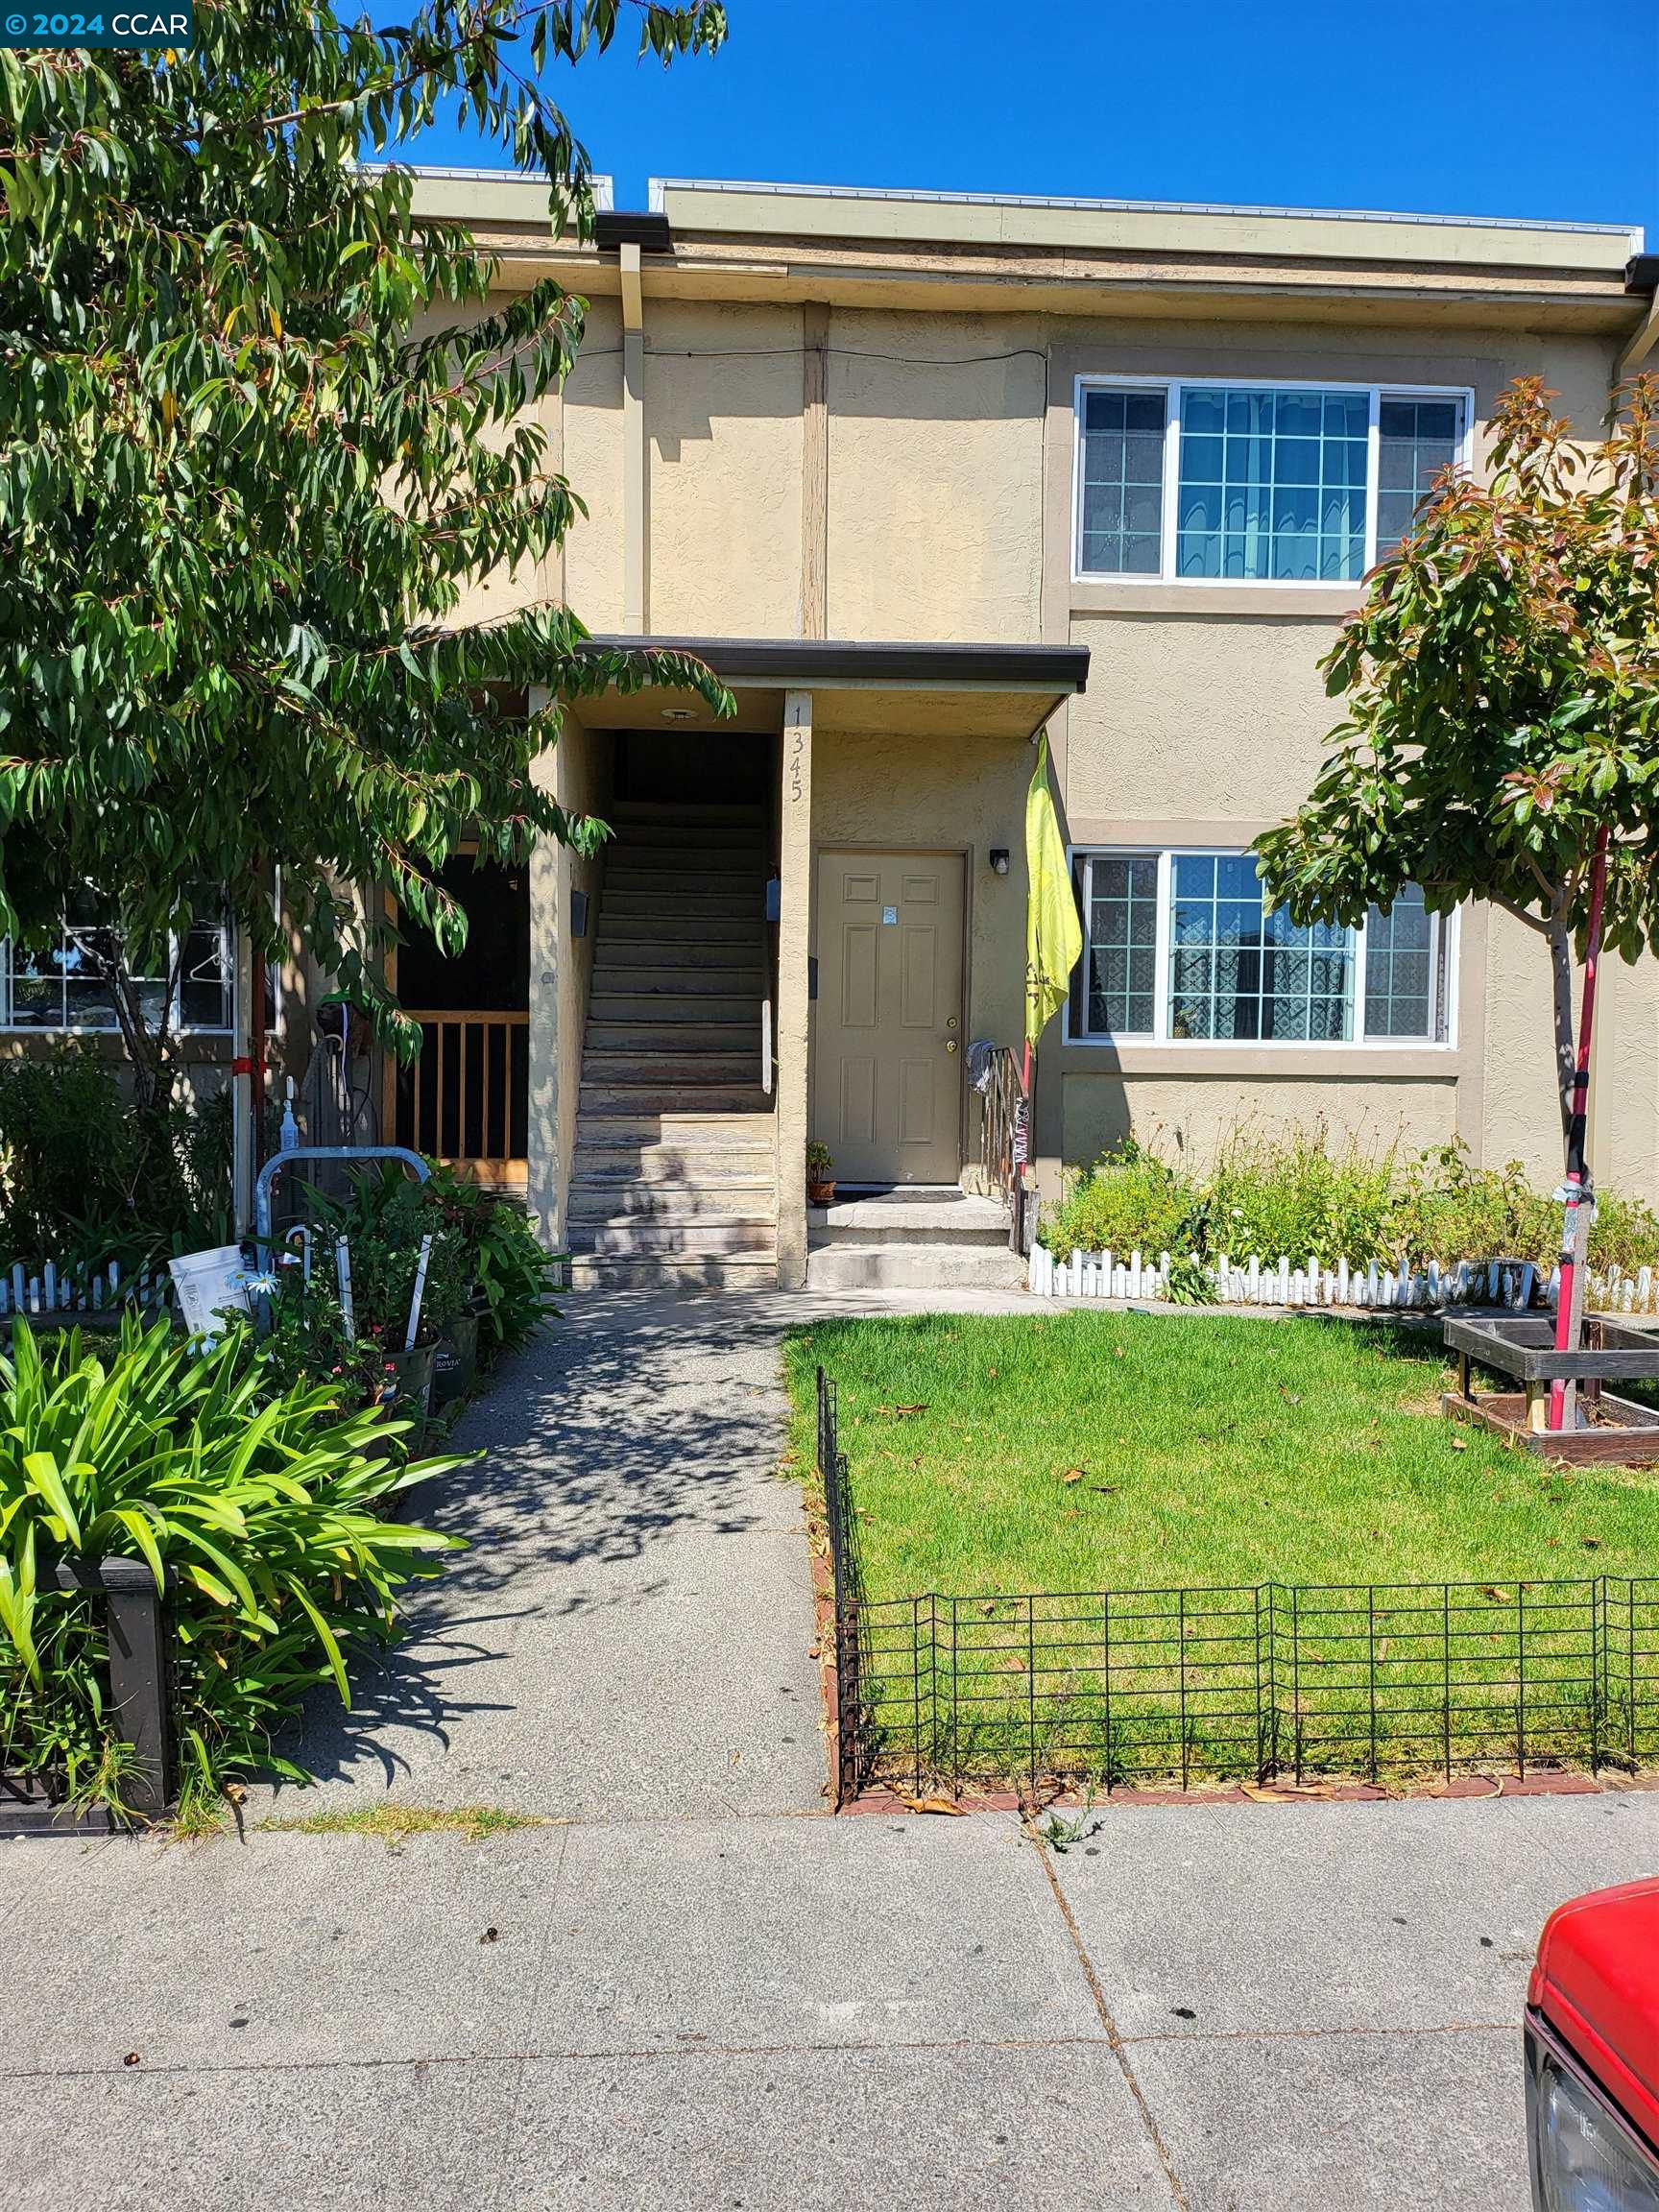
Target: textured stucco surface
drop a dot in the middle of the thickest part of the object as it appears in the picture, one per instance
(578, 771)
(591, 409)
(1522, 1116)
(1191, 1119)
(723, 432)
(935, 477)
(1196, 716)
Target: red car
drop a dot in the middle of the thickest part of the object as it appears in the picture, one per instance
(1592, 2054)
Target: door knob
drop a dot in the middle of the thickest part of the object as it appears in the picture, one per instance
(949, 1043)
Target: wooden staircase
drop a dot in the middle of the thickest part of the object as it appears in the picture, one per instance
(674, 1180)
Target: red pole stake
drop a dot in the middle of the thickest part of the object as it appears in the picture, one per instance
(1567, 1306)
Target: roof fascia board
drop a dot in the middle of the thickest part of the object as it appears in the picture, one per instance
(816, 211)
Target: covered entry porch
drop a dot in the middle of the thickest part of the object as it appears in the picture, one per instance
(884, 927)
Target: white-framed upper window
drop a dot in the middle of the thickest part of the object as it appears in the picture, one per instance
(1207, 481)
(1178, 947)
(59, 988)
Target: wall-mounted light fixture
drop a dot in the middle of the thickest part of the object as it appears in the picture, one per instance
(578, 912)
(1000, 860)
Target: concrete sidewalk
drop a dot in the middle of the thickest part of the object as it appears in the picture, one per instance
(1222, 2008)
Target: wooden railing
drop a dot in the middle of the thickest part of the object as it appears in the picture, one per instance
(466, 1099)
(1005, 1142)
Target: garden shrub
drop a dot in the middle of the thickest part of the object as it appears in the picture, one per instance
(268, 1506)
(511, 1275)
(76, 1183)
(1132, 1201)
(485, 1255)
(1449, 1210)
(1300, 1199)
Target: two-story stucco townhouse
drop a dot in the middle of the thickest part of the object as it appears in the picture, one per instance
(923, 476)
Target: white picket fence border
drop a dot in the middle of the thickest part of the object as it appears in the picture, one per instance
(52, 1288)
(1258, 1282)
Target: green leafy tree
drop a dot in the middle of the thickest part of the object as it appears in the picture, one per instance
(1501, 681)
(260, 429)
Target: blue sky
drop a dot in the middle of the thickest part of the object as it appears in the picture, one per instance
(1540, 108)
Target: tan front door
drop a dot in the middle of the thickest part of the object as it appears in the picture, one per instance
(887, 1038)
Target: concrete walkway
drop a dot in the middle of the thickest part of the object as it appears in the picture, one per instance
(682, 1985)
(629, 1633)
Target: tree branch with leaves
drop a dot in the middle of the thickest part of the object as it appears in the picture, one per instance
(261, 431)
(1502, 684)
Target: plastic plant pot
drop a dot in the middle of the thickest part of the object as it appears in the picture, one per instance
(455, 1360)
(409, 1381)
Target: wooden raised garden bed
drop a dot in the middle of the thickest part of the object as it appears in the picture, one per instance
(1612, 1429)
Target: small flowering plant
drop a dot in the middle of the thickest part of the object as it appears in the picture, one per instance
(305, 1341)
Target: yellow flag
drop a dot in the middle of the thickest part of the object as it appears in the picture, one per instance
(1054, 933)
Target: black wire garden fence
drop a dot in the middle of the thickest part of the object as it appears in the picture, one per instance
(1179, 1686)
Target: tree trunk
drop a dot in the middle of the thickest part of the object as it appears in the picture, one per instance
(157, 1188)
(1566, 1044)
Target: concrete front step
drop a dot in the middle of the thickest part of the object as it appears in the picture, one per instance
(910, 1218)
(674, 1239)
(605, 1183)
(645, 986)
(693, 936)
(649, 1156)
(603, 1202)
(630, 1101)
(610, 1043)
(657, 812)
(674, 863)
(914, 1267)
(744, 1129)
(707, 1271)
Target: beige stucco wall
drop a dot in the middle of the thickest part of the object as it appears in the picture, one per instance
(1194, 1118)
(577, 770)
(1522, 1119)
(723, 433)
(1196, 716)
(591, 427)
(1206, 719)
(935, 476)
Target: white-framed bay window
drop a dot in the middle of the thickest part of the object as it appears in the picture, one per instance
(1179, 949)
(59, 989)
(1207, 480)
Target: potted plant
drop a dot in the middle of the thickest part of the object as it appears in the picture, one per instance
(385, 1223)
(820, 1182)
(508, 1276)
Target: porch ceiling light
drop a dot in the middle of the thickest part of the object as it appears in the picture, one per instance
(679, 714)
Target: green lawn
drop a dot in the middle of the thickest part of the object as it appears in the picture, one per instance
(1014, 1466)
(1206, 1452)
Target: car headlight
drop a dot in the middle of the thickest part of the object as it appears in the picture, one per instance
(1584, 2157)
